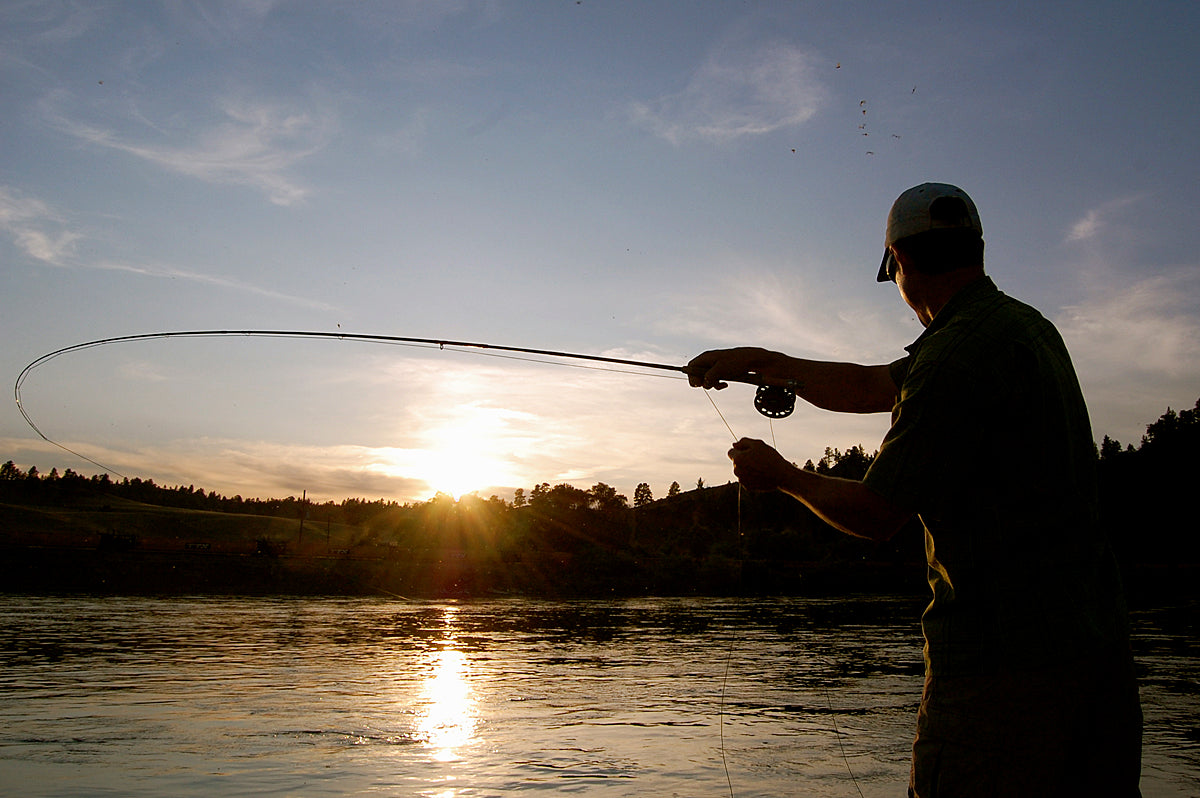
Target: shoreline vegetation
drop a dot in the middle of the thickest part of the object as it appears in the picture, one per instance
(75, 534)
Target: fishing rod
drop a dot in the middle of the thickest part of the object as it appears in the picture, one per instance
(773, 401)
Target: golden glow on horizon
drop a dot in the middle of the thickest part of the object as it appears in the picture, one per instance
(469, 455)
(457, 471)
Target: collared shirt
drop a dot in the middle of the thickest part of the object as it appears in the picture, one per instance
(991, 445)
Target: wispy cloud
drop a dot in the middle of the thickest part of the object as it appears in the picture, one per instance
(35, 227)
(1085, 228)
(1149, 327)
(247, 143)
(760, 305)
(79, 21)
(276, 469)
(1136, 347)
(53, 24)
(143, 371)
(40, 231)
(215, 280)
(1096, 220)
(736, 94)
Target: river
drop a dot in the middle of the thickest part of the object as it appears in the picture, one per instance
(123, 696)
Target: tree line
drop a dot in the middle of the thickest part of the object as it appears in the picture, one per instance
(1145, 494)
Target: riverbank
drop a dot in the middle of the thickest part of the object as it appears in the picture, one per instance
(118, 570)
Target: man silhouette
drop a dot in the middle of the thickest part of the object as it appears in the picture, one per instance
(1029, 686)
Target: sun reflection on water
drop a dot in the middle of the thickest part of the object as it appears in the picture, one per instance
(448, 717)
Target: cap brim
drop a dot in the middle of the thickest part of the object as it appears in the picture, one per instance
(884, 275)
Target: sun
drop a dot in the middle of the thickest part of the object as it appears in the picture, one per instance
(459, 469)
(469, 456)
(476, 448)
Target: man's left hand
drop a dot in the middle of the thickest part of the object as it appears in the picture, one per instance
(758, 466)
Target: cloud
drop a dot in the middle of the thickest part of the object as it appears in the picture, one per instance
(435, 433)
(1129, 333)
(53, 24)
(392, 425)
(758, 305)
(1097, 220)
(272, 469)
(143, 371)
(254, 144)
(217, 281)
(1085, 228)
(35, 227)
(252, 468)
(236, 22)
(1136, 347)
(737, 94)
(78, 22)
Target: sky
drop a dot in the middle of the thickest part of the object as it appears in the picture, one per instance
(643, 180)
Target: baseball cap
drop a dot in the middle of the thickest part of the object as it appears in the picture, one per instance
(929, 206)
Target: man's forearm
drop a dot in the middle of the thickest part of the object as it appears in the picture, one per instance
(843, 387)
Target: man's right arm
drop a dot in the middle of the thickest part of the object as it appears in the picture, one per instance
(842, 387)
(845, 504)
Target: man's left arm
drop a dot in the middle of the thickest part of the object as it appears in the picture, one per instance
(845, 504)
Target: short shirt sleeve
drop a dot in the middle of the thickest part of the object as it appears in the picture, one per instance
(928, 423)
(898, 369)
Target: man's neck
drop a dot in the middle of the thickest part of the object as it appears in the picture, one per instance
(934, 292)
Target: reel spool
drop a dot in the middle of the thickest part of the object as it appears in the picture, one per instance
(774, 401)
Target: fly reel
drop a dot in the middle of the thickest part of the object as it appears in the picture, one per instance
(774, 401)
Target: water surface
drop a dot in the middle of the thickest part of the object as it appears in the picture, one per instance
(299, 696)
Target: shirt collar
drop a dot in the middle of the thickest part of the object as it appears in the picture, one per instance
(979, 289)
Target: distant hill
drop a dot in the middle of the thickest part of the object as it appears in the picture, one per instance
(74, 533)
(91, 541)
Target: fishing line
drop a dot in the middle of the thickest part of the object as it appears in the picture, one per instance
(773, 401)
(732, 434)
(490, 350)
(729, 650)
(770, 399)
(841, 745)
(721, 719)
(494, 350)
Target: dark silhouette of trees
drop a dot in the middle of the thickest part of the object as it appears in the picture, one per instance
(1146, 493)
(850, 464)
(565, 539)
(606, 499)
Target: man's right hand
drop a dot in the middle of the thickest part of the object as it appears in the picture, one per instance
(710, 369)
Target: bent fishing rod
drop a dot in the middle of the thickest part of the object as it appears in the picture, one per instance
(773, 401)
